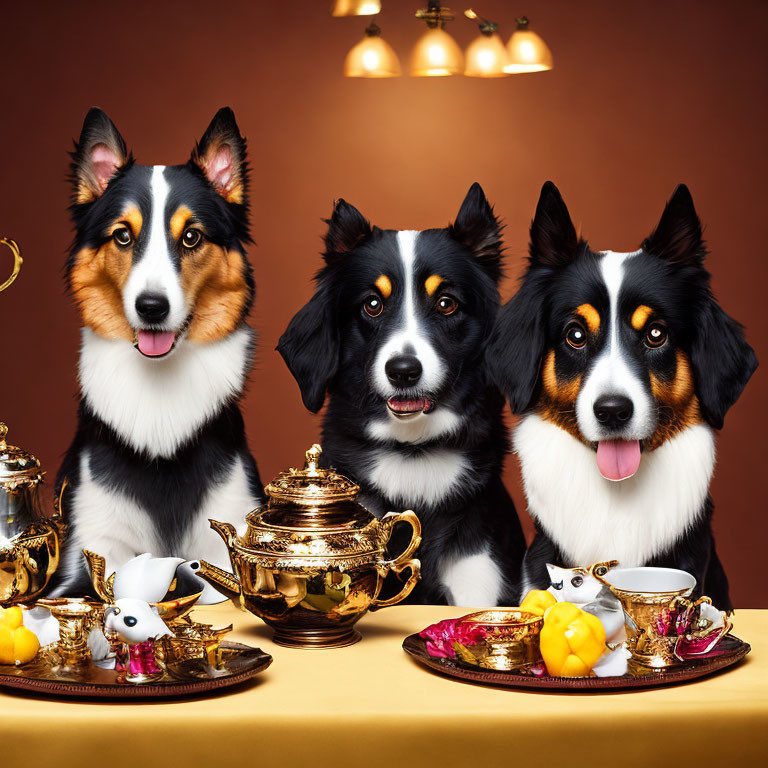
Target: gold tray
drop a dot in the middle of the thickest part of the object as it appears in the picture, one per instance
(236, 663)
(729, 651)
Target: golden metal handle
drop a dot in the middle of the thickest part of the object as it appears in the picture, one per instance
(403, 562)
(17, 261)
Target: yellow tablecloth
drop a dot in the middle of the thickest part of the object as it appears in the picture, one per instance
(371, 705)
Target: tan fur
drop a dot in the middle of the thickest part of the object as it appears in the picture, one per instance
(640, 317)
(591, 317)
(432, 283)
(557, 402)
(213, 280)
(97, 279)
(384, 284)
(179, 221)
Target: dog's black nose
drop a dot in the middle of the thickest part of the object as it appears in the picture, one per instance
(152, 307)
(403, 370)
(613, 411)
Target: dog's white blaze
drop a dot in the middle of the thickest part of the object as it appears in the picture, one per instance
(415, 429)
(472, 581)
(611, 373)
(158, 405)
(409, 332)
(423, 480)
(592, 519)
(155, 271)
(229, 502)
(107, 522)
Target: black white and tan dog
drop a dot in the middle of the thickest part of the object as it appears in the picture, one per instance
(623, 366)
(159, 273)
(395, 334)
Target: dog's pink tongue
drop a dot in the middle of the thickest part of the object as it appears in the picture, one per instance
(155, 344)
(618, 459)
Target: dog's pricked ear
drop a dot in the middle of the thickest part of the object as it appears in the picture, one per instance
(722, 360)
(479, 229)
(310, 348)
(346, 228)
(517, 345)
(677, 238)
(221, 156)
(99, 153)
(554, 241)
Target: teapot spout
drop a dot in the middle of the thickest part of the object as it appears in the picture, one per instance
(225, 530)
(221, 580)
(97, 569)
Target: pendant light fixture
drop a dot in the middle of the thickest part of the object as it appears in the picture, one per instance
(356, 7)
(372, 56)
(526, 51)
(486, 55)
(436, 53)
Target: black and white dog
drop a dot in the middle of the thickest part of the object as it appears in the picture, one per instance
(396, 333)
(623, 364)
(159, 273)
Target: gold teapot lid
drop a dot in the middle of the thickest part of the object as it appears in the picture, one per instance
(312, 486)
(17, 467)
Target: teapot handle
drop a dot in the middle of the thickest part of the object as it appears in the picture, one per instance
(17, 261)
(403, 562)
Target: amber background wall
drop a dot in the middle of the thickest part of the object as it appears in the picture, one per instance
(643, 96)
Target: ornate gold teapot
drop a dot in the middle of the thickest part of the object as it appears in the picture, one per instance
(312, 560)
(29, 541)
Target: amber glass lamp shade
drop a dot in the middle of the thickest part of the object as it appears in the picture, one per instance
(486, 56)
(526, 51)
(356, 7)
(436, 54)
(372, 57)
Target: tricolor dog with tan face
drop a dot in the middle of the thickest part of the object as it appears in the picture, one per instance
(623, 365)
(395, 334)
(159, 273)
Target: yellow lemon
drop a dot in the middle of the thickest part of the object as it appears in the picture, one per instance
(25, 645)
(11, 617)
(537, 601)
(6, 645)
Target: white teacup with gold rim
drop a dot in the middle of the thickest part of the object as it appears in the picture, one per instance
(664, 626)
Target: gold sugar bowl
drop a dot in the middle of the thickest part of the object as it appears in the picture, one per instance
(312, 561)
(29, 541)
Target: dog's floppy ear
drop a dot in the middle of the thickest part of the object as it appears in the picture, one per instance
(516, 348)
(677, 237)
(347, 227)
(221, 156)
(479, 229)
(310, 348)
(554, 242)
(99, 153)
(722, 360)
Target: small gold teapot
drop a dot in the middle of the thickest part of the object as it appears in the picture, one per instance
(312, 560)
(29, 541)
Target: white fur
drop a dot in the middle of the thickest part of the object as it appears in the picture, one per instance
(592, 519)
(472, 580)
(611, 375)
(158, 405)
(420, 428)
(408, 333)
(155, 271)
(149, 625)
(422, 480)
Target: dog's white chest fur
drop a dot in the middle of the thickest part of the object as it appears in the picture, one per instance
(158, 405)
(592, 519)
(421, 480)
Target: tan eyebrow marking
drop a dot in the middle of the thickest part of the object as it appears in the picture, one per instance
(384, 284)
(432, 283)
(591, 316)
(179, 220)
(640, 316)
(133, 216)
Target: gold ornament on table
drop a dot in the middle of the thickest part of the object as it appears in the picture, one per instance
(312, 560)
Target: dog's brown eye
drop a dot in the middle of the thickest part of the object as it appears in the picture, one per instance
(191, 237)
(447, 305)
(576, 336)
(656, 335)
(373, 305)
(122, 236)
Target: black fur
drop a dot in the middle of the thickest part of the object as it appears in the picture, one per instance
(668, 275)
(331, 347)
